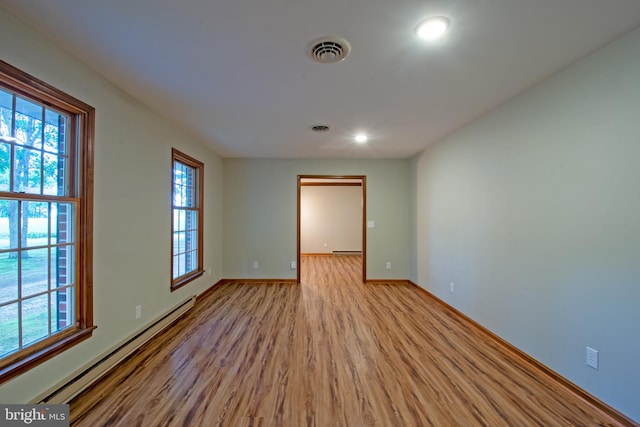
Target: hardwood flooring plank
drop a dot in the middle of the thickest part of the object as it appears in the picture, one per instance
(330, 351)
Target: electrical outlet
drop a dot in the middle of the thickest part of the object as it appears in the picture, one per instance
(592, 358)
(452, 287)
(255, 264)
(325, 245)
(293, 265)
(138, 311)
(388, 265)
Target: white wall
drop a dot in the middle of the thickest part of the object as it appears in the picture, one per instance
(260, 207)
(131, 205)
(534, 212)
(330, 215)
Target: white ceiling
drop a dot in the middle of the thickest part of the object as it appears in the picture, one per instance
(234, 72)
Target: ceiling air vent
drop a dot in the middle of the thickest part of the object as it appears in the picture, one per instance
(328, 50)
(319, 128)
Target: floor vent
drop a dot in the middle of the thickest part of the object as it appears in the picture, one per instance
(77, 382)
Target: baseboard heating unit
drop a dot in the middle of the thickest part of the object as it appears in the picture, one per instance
(78, 381)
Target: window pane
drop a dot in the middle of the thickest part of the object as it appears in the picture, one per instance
(192, 257)
(6, 126)
(187, 262)
(9, 333)
(53, 182)
(193, 242)
(5, 162)
(191, 221)
(26, 173)
(54, 312)
(28, 123)
(62, 216)
(181, 262)
(6, 113)
(62, 309)
(184, 196)
(177, 195)
(177, 184)
(178, 220)
(176, 266)
(36, 224)
(8, 277)
(54, 137)
(61, 264)
(34, 271)
(184, 185)
(184, 220)
(8, 224)
(176, 174)
(189, 187)
(178, 242)
(189, 242)
(35, 319)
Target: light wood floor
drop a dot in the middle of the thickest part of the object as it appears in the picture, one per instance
(328, 352)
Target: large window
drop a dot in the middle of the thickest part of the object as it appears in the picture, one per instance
(46, 176)
(186, 219)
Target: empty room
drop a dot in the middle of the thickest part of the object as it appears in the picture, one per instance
(338, 213)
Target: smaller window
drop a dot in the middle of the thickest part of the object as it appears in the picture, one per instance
(186, 219)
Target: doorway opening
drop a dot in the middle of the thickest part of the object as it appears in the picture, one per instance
(345, 242)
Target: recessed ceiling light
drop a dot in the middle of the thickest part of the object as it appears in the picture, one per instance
(432, 28)
(361, 138)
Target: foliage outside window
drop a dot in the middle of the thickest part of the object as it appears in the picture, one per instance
(46, 169)
(186, 219)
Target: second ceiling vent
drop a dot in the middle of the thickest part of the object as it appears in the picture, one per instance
(328, 50)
